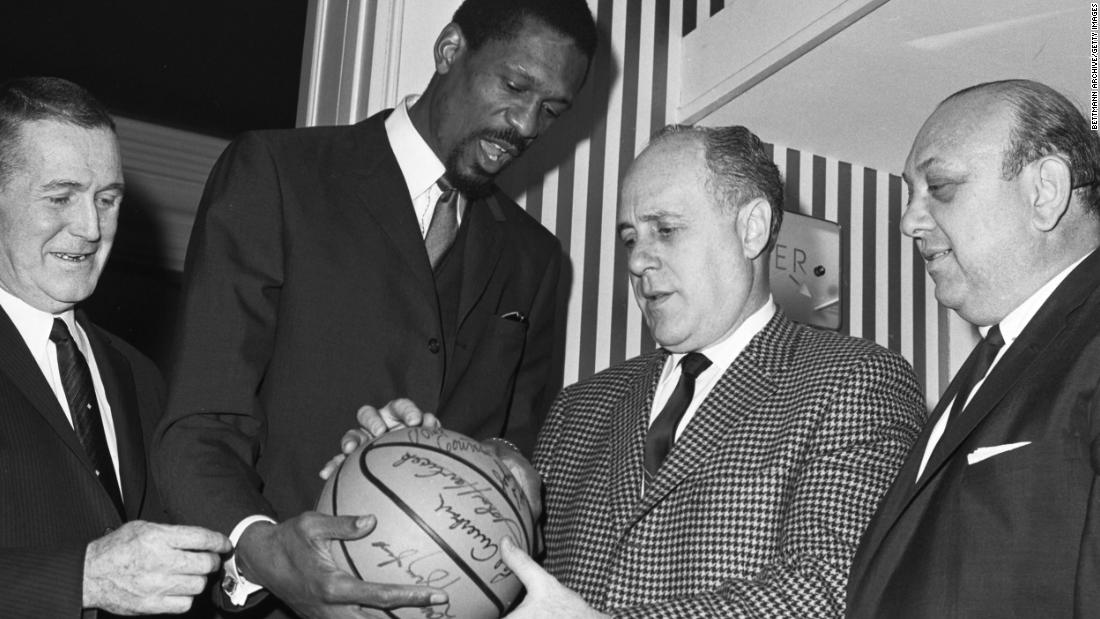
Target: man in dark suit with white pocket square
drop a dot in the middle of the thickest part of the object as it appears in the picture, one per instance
(996, 512)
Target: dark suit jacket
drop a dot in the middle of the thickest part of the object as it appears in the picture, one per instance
(1016, 534)
(51, 503)
(308, 293)
(758, 508)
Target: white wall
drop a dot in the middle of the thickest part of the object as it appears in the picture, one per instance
(863, 94)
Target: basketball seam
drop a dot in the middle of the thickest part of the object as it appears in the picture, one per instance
(343, 543)
(335, 511)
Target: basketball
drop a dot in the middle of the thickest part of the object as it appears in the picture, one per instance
(443, 504)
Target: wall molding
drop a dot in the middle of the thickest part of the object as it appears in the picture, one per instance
(351, 60)
(749, 40)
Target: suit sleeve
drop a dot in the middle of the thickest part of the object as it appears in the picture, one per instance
(536, 381)
(867, 429)
(206, 446)
(42, 582)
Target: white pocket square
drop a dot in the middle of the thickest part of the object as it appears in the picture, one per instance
(983, 453)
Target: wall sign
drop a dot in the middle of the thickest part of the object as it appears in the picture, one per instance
(805, 270)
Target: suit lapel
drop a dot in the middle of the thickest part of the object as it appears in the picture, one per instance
(19, 365)
(630, 419)
(387, 202)
(1023, 352)
(484, 244)
(743, 389)
(118, 382)
(1037, 336)
(1051, 319)
(901, 491)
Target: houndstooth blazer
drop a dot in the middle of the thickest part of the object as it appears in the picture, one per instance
(760, 505)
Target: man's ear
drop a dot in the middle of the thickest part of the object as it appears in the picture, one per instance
(1050, 189)
(754, 224)
(447, 47)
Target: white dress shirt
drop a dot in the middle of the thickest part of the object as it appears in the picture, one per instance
(418, 163)
(721, 355)
(35, 326)
(1011, 326)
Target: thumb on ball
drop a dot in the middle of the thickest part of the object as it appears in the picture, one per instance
(352, 527)
(522, 565)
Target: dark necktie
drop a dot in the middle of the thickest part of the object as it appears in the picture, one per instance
(658, 441)
(977, 367)
(80, 392)
(444, 224)
(973, 370)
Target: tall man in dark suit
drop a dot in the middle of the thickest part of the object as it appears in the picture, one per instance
(996, 512)
(730, 472)
(76, 403)
(332, 267)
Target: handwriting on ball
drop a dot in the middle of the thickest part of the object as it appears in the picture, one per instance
(476, 498)
(408, 561)
(449, 443)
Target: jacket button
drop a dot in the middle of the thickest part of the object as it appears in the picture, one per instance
(433, 345)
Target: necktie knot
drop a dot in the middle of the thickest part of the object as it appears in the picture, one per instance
(444, 224)
(693, 364)
(662, 432)
(60, 331)
(993, 338)
(447, 191)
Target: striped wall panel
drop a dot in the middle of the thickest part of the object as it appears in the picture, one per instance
(603, 325)
(695, 11)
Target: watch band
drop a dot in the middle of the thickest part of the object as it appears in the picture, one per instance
(235, 586)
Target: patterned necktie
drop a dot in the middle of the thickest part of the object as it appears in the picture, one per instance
(80, 392)
(444, 224)
(658, 441)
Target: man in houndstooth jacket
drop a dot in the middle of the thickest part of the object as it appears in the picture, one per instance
(791, 437)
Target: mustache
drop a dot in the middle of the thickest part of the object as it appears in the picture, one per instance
(509, 136)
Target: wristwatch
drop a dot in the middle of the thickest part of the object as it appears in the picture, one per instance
(235, 586)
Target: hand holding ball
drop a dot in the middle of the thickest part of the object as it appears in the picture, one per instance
(443, 505)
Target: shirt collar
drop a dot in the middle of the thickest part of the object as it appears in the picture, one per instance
(723, 352)
(32, 323)
(418, 163)
(1013, 323)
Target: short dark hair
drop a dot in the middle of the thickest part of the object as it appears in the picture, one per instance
(28, 99)
(740, 169)
(1047, 123)
(486, 20)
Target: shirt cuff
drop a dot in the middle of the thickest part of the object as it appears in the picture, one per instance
(236, 587)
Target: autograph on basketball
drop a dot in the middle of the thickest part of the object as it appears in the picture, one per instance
(443, 504)
(476, 497)
(408, 561)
